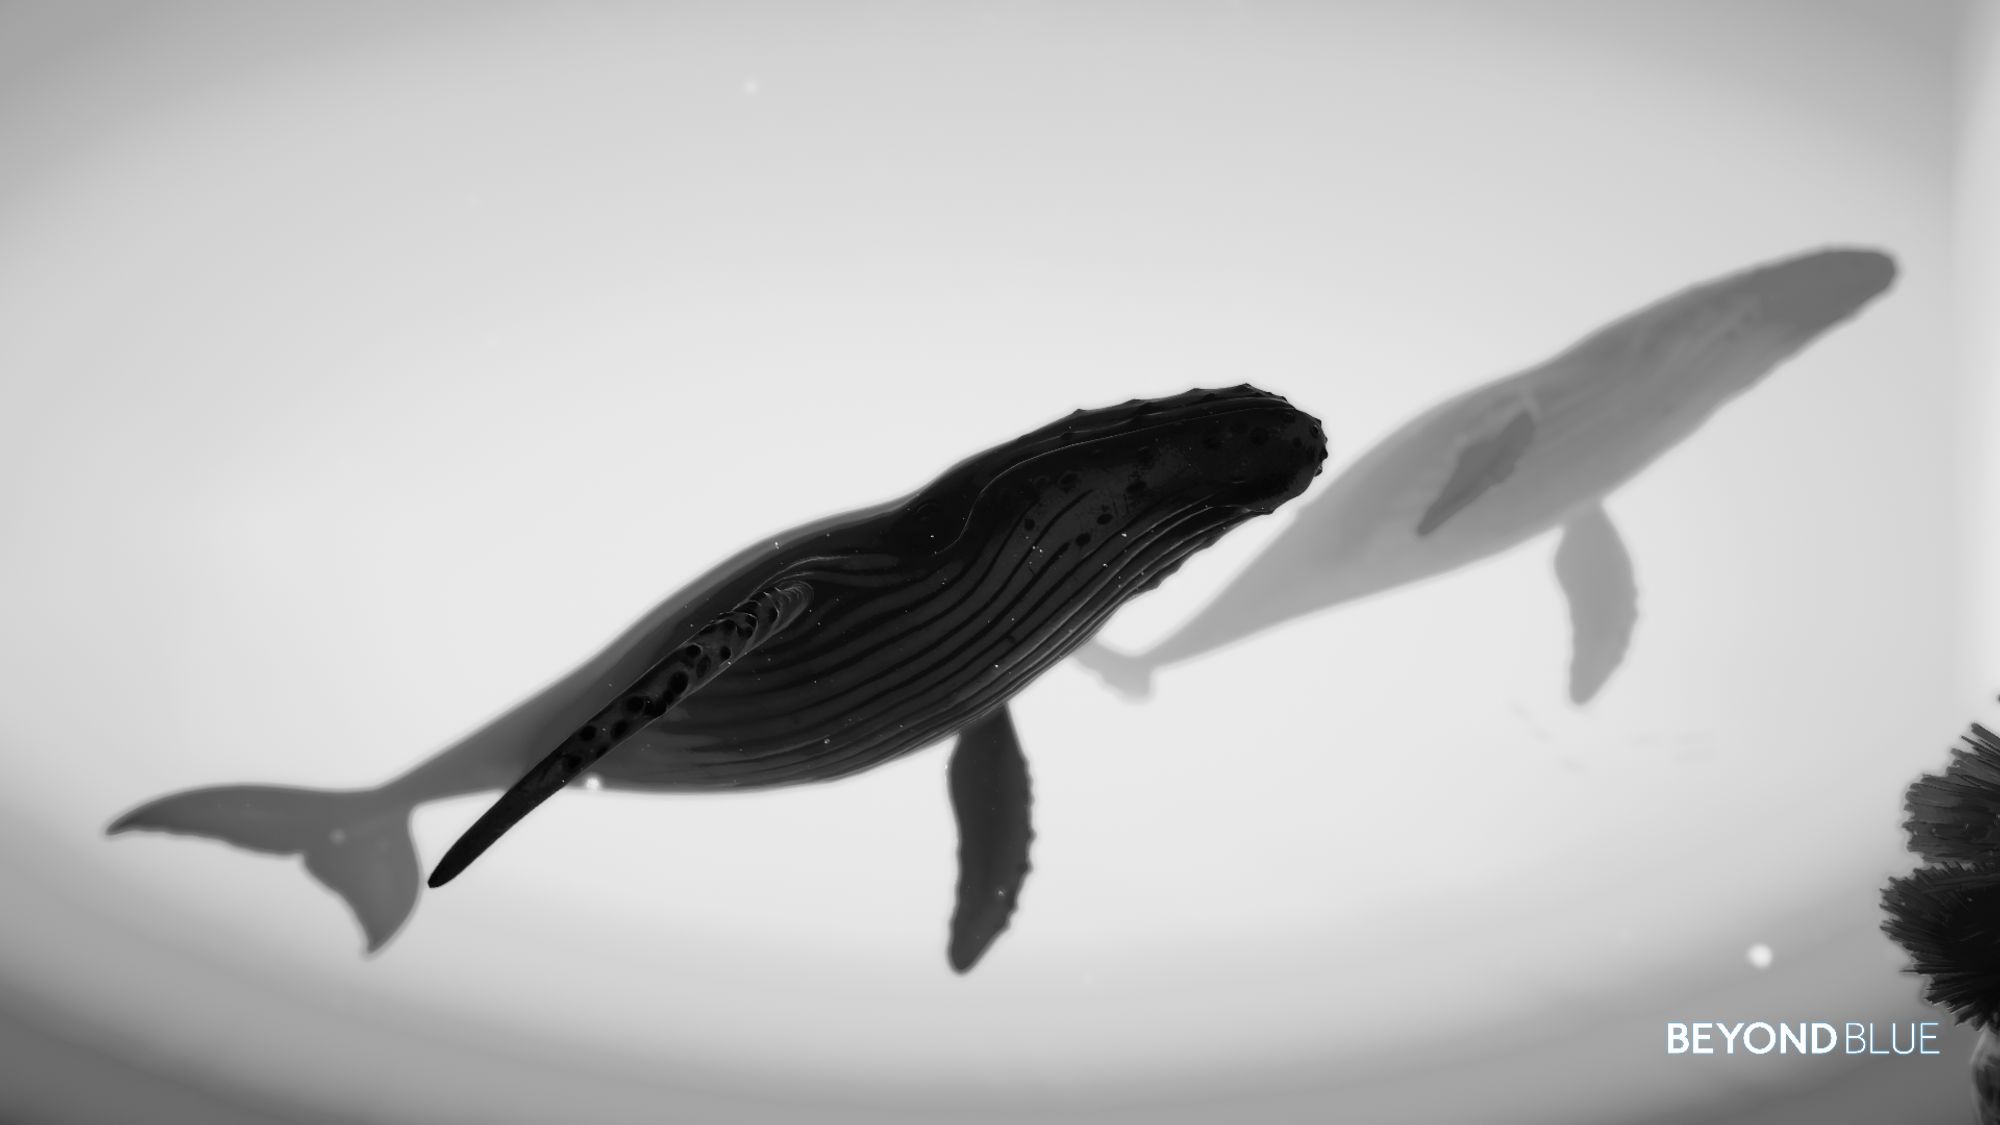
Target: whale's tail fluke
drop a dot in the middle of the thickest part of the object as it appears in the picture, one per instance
(1129, 676)
(356, 843)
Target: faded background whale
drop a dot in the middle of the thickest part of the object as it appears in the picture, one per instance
(1541, 449)
(365, 367)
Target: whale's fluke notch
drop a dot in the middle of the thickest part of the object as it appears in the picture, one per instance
(356, 843)
(989, 798)
(1595, 571)
(1485, 461)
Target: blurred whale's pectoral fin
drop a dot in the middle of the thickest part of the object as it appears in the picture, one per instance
(989, 796)
(1483, 461)
(729, 638)
(1596, 575)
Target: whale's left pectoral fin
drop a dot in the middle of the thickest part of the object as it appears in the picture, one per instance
(1596, 575)
(708, 654)
(1483, 461)
(989, 796)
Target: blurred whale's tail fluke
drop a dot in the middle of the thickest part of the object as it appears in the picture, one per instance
(357, 843)
(1129, 676)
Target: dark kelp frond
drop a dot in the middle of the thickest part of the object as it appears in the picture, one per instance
(1955, 816)
(1948, 918)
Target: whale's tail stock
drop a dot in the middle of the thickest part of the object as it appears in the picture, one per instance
(1129, 676)
(357, 843)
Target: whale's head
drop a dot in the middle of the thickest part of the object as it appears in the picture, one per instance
(1125, 490)
(1694, 350)
(1813, 292)
(1240, 448)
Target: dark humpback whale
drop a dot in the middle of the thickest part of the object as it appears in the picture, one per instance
(833, 648)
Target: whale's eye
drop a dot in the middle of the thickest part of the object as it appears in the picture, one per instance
(928, 517)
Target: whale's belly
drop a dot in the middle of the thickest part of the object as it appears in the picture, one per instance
(888, 663)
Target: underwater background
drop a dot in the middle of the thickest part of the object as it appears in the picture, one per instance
(367, 366)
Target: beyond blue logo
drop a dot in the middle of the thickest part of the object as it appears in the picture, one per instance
(1815, 1038)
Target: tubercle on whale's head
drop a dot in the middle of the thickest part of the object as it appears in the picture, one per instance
(1241, 450)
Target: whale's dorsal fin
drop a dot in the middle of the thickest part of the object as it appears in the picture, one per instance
(1483, 462)
(989, 796)
(1596, 575)
(660, 689)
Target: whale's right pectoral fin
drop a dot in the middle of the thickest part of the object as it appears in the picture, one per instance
(1596, 575)
(989, 797)
(1484, 460)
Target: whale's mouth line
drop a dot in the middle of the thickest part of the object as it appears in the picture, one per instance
(1207, 412)
(1194, 412)
(1213, 413)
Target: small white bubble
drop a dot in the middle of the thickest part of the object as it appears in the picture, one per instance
(1759, 956)
(338, 836)
(592, 781)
